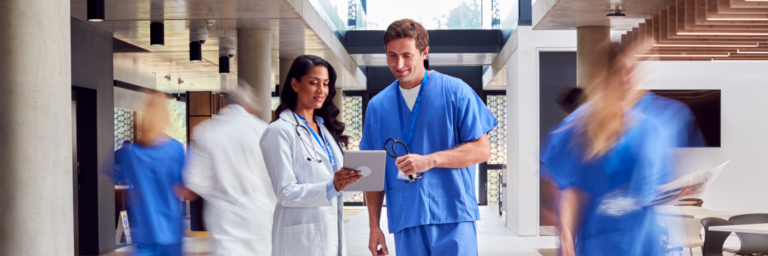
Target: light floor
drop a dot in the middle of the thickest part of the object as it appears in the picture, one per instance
(493, 238)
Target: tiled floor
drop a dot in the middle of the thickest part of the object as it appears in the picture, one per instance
(493, 237)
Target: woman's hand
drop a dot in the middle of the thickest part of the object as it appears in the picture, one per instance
(343, 177)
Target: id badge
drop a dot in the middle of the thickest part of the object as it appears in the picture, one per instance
(401, 175)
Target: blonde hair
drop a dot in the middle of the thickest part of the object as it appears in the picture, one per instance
(154, 119)
(603, 121)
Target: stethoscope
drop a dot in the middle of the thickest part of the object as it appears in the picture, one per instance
(299, 126)
(298, 133)
(414, 176)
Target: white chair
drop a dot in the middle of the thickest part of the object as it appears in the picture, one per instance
(683, 232)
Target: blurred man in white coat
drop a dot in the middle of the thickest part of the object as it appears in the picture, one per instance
(226, 168)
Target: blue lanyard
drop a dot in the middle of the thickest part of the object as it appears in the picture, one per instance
(409, 135)
(324, 144)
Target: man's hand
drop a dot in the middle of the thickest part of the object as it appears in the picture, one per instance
(413, 163)
(376, 239)
(184, 193)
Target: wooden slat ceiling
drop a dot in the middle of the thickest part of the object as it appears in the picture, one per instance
(714, 30)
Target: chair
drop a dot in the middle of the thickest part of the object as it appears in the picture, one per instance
(714, 240)
(751, 243)
(683, 232)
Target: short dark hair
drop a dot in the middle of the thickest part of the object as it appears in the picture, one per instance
(570, 99)
(407, 28)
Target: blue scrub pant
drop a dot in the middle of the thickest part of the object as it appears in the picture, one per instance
(438, 239)
(147, 249)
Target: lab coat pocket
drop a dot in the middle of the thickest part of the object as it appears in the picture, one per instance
(304, 239)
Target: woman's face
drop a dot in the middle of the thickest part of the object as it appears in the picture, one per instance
(312, 89)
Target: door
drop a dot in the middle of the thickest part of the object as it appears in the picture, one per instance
(75, 174)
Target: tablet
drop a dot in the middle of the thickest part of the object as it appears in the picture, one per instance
(371, 164)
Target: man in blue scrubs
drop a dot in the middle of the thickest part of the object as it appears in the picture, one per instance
(444, 124)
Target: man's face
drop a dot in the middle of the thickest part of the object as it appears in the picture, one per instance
(405, 60)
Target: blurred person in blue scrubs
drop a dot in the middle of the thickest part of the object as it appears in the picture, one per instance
(443, 123)
(679, 123)
(608, 158)
(153, 172)
(120, 156)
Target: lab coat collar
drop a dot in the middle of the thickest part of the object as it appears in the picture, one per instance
(234, 110)
(287, 115)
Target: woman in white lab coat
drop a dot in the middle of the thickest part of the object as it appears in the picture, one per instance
(303, 154)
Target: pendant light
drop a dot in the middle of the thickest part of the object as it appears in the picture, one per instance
(195, 51)
(223, 65)
(95, 10)
(156, 34)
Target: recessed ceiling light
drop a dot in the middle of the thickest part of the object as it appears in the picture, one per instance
(714, 60)
(683, 55)
(705, 45)
(751, 52)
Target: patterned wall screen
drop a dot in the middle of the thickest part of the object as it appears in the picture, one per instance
(353, 118)
(498, 106)
(178, 127)
(124, 126)
(493, 186)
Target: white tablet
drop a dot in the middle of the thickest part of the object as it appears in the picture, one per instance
(371, 164)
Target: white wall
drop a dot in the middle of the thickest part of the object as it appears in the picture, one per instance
(744, 88)
(523, 125)
(127, 69)
(127, 99)
(744, 139)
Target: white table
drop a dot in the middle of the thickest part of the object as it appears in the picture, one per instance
(694, 212)
(749, 228)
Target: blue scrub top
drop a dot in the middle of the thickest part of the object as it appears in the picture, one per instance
(155, 213)
(451, 114)
(632, 168)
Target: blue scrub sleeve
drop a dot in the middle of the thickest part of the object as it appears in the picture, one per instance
(559, 165)
(474, 118)
(180, 163)
(330, 191)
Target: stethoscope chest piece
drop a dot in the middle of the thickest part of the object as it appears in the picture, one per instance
(301, 139)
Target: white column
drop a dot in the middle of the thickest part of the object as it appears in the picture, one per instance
(285, 66)
(254, 64)
(522, 201)
(36, 216)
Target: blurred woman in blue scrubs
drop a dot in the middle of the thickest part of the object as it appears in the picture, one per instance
(153, 171)
(607, 158)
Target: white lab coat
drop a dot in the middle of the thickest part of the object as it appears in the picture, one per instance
(227, 170)
(305, 222)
